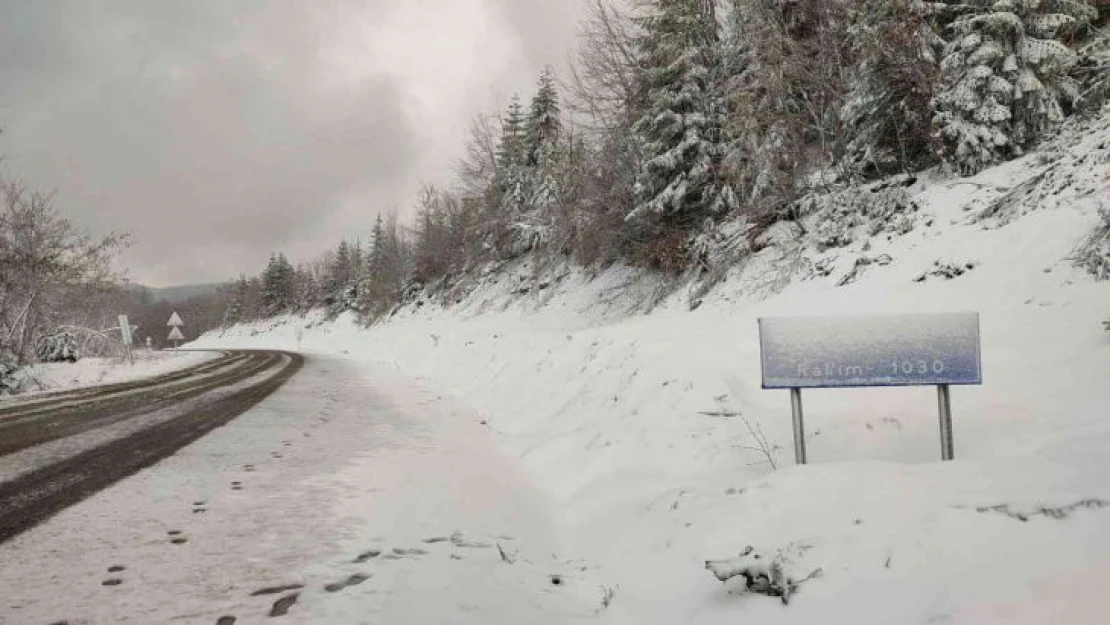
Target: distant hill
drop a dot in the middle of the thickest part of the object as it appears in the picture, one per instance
(175, 294)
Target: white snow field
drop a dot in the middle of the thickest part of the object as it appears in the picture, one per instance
(592, 443)
(602, 407)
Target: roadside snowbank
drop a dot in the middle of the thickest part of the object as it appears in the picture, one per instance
(623, 419)
(61, 376)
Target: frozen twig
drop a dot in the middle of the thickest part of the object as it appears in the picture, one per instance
(504, 556)
(763, 446)
(724, 414)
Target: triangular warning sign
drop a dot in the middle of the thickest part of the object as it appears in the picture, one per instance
(175, 321)
(175, 335)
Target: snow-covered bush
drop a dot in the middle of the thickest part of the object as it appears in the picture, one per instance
(1094, 253)
(762, 572)
(947, 270)
(1006, 77)
(60, 346)
(11, 380)
(884, 207)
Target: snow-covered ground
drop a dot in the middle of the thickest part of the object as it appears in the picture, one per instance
(60, 376)
(616, 417)
(369, 498)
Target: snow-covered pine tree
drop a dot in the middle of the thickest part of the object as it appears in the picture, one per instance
(544, 158)
(307, 291)
(744, 163)
(357, 261)
(236, 304)
(339, 274)
(544, 123)
(1006, 76)
(277, 286)
(682, 130)
(511, 179)
(378, 283)
(886, 114)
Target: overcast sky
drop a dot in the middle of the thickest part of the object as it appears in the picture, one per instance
(219, 131)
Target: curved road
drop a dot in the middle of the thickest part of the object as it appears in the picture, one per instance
(58, 449)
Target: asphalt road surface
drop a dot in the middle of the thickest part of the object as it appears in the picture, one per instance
(141, 422)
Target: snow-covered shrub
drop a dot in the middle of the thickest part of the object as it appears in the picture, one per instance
(883, 207)
(525, 237)
(60, 346)
(718, 248)
(762, 572)
(11, 379)
(1094, 253)
(947, 270)
(1006, 77)
(1093, 70)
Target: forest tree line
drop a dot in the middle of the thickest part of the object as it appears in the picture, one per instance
(679, 116)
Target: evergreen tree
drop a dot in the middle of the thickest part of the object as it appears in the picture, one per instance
(511, 178)
(682, 129)
(237, 300)
(372, 285)
(339, 274)
(278, 288)
(307, 291)
(887, 118)
(544, 123)
(1006, 76)
(544, 153)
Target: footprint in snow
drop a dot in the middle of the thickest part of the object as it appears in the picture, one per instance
(276, 590)
(459, 541)
(117, 568)
(409, 552)
(226, 620)
(367, 555)
(111, 581)
(281, 606)
(353, 580)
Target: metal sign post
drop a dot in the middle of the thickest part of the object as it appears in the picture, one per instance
(944, 401)
(125, 335)
(799, 426)
(891, 350)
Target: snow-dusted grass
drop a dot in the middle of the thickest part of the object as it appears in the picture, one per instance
(606, 413)
(60, 376)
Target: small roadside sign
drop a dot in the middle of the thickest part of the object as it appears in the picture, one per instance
(175, 321)
(891, 350)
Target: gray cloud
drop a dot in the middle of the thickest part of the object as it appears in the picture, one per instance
(218, 131)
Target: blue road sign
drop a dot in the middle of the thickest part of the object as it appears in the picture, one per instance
(888, 350)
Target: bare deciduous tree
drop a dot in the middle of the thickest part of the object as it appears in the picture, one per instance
(45, 264)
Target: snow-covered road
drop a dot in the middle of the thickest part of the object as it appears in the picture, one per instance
(370, 499)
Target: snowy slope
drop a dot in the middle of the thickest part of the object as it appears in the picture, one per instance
(605, 410)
